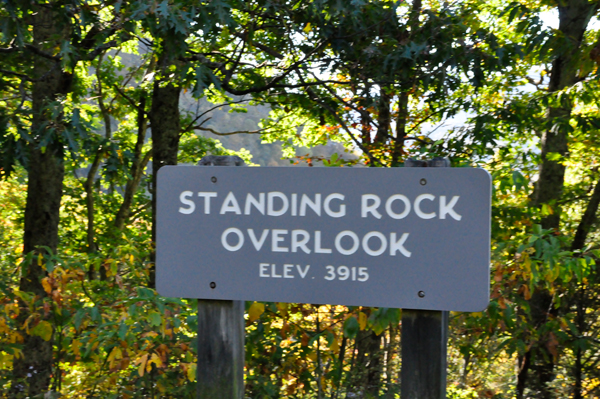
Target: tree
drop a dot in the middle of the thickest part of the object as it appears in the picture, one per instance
(49, 42)
(544, 119)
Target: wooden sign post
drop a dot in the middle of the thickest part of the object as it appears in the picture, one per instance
(220, 371)
(424, 339)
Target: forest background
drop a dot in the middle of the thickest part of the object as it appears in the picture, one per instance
(96, 96)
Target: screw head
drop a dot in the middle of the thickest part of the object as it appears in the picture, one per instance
(423, 182)
(421, 294)
(213, 285)
(213, 179)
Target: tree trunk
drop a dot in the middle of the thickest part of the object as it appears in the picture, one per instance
(32, 371)
(389, 357)
(44, 191)
(403, 111)
(368, 364)
(589, 217)
(582, 327)
(165, 124)
(137, 169)
(91, 177)
(574, 16)
(384, 117)
(340, 370)
(89, 200)
(401, 122)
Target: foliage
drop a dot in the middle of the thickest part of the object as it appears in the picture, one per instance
(376, 77)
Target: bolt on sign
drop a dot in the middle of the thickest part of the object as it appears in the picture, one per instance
(414, 238)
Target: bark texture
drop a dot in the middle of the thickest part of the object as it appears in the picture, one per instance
(384, 118)
(369, 356)
(93, 171)
(536, 368)
(139, 163)
(166, 126)
(403, 99)
(588, 219)
(574, 17)
(585, 298)
(32, 371)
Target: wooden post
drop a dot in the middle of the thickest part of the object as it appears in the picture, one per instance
(220, 371)
(424, 339)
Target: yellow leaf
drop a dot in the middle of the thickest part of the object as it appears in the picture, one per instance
(153, 359)
(75, 345)
(12, 310)
(282, 307)
(191, 372)
(335, 346)
(304, 340)
(42, 330)
(142, 367)
(18, 353)
(39, 260)
(3, 327)
(114, 268)
(46, 285)
(5, 359)
(553, 274)
(115, 354)
(527, 264)
(526, 292)
(362, 320)
(256, 309)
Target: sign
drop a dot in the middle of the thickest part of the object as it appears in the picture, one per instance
(414, 238)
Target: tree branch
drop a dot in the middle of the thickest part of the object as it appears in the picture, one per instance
(589, 217)
(189, 127)
(41, 53)
(362, 112)
(22, 76)
(316, 98)
(125, 96)
(203, 60)
(229, 72)
(8, 50)
(273, 84)
(266, 49)
(207, 129)
(100, 49)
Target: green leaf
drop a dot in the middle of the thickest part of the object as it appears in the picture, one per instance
(351, 327)
(95, 314)
(79, 317)
(145, 293)
(42, 330)
(155, 318)
(123, 328)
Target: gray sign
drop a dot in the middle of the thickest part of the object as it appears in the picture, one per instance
(414, 238)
